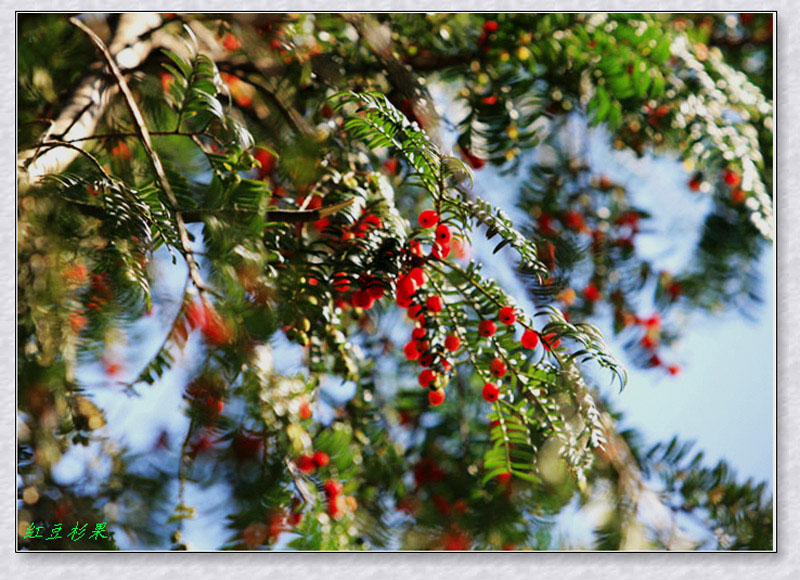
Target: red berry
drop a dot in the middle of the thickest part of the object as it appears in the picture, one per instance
(321, 459)
(507, 315)
(490, 26)
(196, 314)
(375, 291)
(434, 303)
(731, 178)
(452, 343)
(406, 286)
(267, 161)
(487, 328)
(422, 345)
(418, 276)
(436, 397)
(332, 488)
(411, 351)
(305, 410)
(440, 251)
(738, 195)
(530, 338)
(305, 463)
(426, 377)
(428, 218)
(490, 392)
(497, 368)
(490, 100)
(230, 42)
(443, 235)
(591, 293)
(391, 166)
(418, 333)
(362, 299)
(426, 360)
(573, 219)
(674, 370)
(414, 311)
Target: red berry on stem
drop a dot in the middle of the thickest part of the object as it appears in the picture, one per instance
(530, 338)
(305, 410)
(332, 488)
(411, 351)
(490, 392)
(731, 178)
(436, 397)
(497, 368)
(426, 377)
(490, 26)
(305, 463)
(406, 286)
(440, 251)
(452, 343)
(434, 303)
(321, 459)
(487, 328)
(443, 234)
(375, 291)
(418, 276)
(428, 218)
(507, 315)
(591, 293)
(414, 311)
(362, 299)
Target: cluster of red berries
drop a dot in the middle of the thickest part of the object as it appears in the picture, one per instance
(337, 503)
(369, 289)
(650, 340)
(310, 463)
(733, 180)
(443, 236)
(655, 115)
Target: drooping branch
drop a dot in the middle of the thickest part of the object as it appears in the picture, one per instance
(155, 160)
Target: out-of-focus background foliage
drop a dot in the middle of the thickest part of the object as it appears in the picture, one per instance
(203, 363)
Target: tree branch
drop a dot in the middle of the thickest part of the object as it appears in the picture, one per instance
(155, 160)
